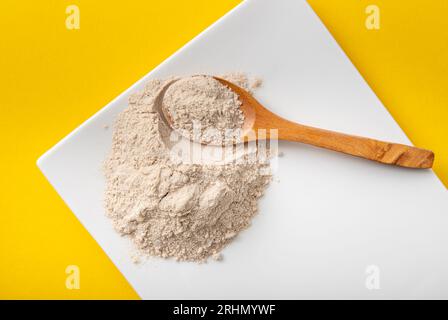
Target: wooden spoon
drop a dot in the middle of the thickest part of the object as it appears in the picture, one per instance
(258, 117)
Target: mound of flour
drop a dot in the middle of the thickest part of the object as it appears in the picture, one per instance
(169, 208)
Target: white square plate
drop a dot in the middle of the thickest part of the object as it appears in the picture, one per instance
(331, 224)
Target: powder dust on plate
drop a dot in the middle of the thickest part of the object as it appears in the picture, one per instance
(175, 209)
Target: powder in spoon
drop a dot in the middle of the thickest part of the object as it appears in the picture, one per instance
(204, 110)
(170, 208)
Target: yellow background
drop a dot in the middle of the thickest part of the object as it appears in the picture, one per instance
(52, 79)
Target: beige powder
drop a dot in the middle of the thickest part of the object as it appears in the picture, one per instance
(187, 211)
(204, 110)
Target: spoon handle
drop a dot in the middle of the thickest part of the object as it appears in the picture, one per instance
(384, 152)
(258, 117)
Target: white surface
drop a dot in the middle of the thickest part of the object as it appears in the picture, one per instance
(329, 217)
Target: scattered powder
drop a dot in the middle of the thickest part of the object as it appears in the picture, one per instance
(240, 79)
(256, 83)
(187, 211)
(217, 257)
(204, 110)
